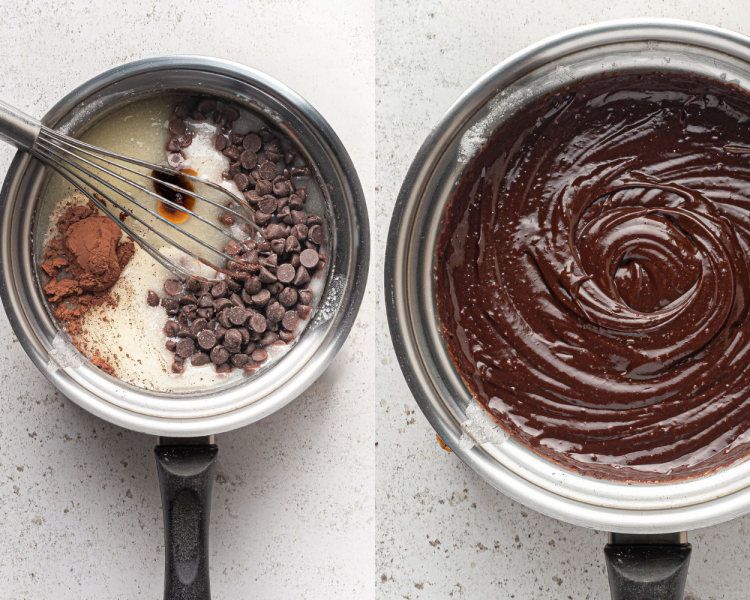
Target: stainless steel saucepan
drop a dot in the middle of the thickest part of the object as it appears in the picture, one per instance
(185, 423)
(648, 553)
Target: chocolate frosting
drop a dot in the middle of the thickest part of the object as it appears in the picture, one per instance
(592, 277)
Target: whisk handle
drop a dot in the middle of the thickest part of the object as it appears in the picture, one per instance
(18, 128)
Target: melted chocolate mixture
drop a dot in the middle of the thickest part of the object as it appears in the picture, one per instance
(593, 277)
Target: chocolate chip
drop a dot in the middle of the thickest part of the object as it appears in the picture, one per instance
(199, 359)
(205, 301)
(296, 202)
(232, 248)
(300, 171)
(205, 313)
(233, 341)
(172, 287)
(230, 113)
(240, 360)
(207, 105)
(237, 315)
(264, 187)
(274, 312)
(222, 303)
(178, 367)
(220, 142)
(235, 286)
(186, 347)
(267, 170)
(289, 156)
(275, 288)
(286, 336)
(206, 339)
(241, 181)
(198, 325)
(171, 328)
(285, 214)
(236, 300)
(253, 285)
(309, 259)
(292, 245)
(261, 298)
(184, 140)
(300, 231)
(288, 297)
(264, 247)
(171, 305)
(176, 126)
(295, 260)
(188, 299)
(277, 246)
(223, 317)
(233, 152)
(285, 273)
(192, 285)
(220, 289)
(244, 333)
(235, 169)
(246, 298)
(182, 319)
(261, 218)
(236, 138)
(266, 134)
(290, 320)
(252, 142)
(170, 345)
(269, 338)
(258, 323)
(226, 220)
(303, 311)
(299, 217)
(249, 159)
(267, 204)
(274, 231)
(270, 261)
(175, 160)
(259, 355)
(282, 188)
(219, 355)
(152, 299)
(305, 295)
(196, 116)
(173, 145)
(224, 368)
(316, 234)
(272, 146)
(250, 348)
(181, 110)
(266, 276)
(219, 333)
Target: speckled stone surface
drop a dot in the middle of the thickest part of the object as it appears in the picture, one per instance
(293, 505)
(305, 505)
(441, 531)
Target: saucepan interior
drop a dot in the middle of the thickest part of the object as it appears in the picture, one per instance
(199, 412)
(616, 47)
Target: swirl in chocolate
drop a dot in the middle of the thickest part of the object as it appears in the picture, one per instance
(593, 280)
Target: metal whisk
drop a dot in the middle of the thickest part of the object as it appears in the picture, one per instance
(83, 165)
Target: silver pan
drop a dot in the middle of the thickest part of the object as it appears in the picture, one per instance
(645, 516)
(186, 423)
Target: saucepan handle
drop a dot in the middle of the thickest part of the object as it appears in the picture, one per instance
(647, 567)
(186, 478)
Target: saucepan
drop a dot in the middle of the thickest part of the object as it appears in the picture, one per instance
(648, 554)
(186, 423)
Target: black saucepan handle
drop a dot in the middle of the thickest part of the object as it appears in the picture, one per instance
(647, 567)
(186, 478)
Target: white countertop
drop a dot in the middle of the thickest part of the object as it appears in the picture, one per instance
(305, 505)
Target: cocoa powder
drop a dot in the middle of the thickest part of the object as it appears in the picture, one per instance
(83, 262)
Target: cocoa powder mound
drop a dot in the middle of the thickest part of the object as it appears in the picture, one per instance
(83, 262)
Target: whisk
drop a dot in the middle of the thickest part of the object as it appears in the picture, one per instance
(83, 165)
